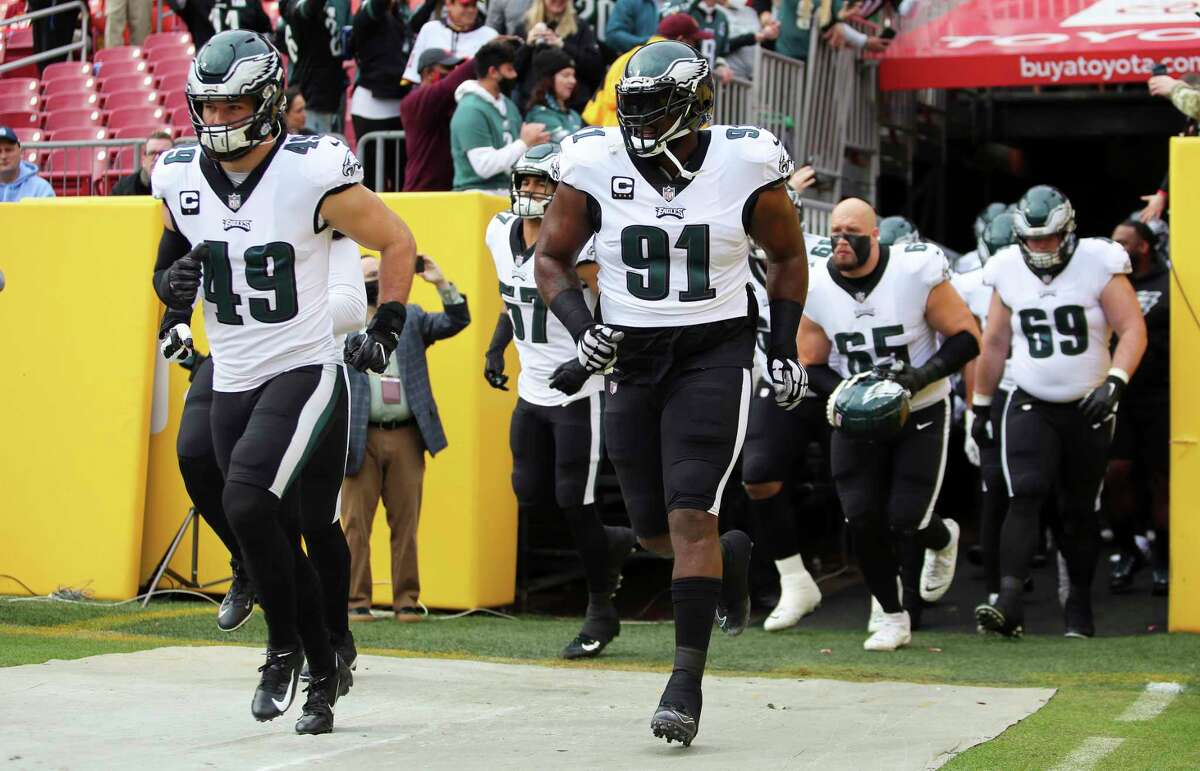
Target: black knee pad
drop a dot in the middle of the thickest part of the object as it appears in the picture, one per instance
(247, 506)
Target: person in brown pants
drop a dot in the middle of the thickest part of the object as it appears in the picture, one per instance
(393, 422)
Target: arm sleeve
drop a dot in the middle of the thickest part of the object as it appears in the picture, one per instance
(621, 34)
(1187, 100)
(495, 16)
(585, 50)
(822, 378)
(855, 38)
(502, 335)
(489, 161)
(741, 41)
(438, 326)
(171, 246)
(410, 70)
(347, 293)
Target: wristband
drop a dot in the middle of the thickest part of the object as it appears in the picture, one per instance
(981, 400)
(1119, 374)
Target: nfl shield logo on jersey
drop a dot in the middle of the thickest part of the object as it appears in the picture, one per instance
(668, 193)
(235, 201)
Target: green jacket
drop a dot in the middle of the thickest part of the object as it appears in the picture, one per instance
(478, 122)
(560, 123)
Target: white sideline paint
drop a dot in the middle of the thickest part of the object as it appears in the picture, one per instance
(1089, 753)
(1151, 702)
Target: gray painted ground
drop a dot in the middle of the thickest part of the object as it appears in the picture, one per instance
(185, 708)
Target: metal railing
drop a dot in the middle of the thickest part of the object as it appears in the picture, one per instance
(84, 167)
(378, 143)
(778, 99)
(735, 103)
(816, 215)
(80, 45)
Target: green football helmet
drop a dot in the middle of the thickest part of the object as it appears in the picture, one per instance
(987, 215)
(868, 406)
(998, 234)
(540, 161)
(1045, 211)
(897, 230)
(231, 65)
(667, 91)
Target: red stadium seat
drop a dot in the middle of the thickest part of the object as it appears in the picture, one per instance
(71, 119)
(127, 83)
(184, 132)
(86, 134)
(170, 61)
(71, 100)
(139, 131)
(19, 102)
(66, 83)
(29, 135)
(174, 100)
(158, 40)
(19, 42)
(114, 67)
(169, 53)
(173, 74)
(181, 116)
(122, 99)
(135, 116)
(118, 53)
(20, 119)
(18, 86)
(58, 69)
(72, 171)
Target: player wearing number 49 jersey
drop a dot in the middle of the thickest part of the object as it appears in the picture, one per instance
(880, 309)
(1056, 301)
(555, 433)
(249, 213)
(671, 208)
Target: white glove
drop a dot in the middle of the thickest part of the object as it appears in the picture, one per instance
(597, 347)
(969, 445)
(176, 345)
(790, 382)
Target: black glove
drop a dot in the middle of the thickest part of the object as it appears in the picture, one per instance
(569, 377)
(912, 379)
(493, 370)
(183, 277)
(982, 430)
(1100, 404)
(372, 349)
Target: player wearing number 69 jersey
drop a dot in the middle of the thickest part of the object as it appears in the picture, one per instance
(555, 433)
(1056, 301)
(249, 213)
(878, 307)
(671, 208)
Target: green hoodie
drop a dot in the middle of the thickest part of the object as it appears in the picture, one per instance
(479, 122)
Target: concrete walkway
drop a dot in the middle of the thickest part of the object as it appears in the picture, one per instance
(189, 708)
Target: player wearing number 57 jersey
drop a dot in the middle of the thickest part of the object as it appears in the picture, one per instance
(249, 213)
(1056, 301)
(879, 307)
(555, 433)
(671, 208)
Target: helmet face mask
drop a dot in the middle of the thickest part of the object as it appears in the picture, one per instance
(540, 163)
(230, 67)
(1042, 212)
(666, 93)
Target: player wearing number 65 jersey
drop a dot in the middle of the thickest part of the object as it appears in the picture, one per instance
(879, 307)
(555, 433)
(249, 213)
(1056, 301)
(672, 208)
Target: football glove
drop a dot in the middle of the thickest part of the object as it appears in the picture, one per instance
(970, 446)
(569, 377)
(912, 379)
(183, 277)
(1101, 403)
(371, 350)
(596, 348)
(789, 380)
(176, 343)
(982, 430)
(493, 370)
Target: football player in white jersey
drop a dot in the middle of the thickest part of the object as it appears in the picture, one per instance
(879, 307)
(776, 440)
(1056, 301)
(555, 434)
(256, 209)
(672, 208)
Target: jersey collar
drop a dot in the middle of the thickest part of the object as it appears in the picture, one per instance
(669, 187)
(235, 196)
(860, 288)
(516, 242)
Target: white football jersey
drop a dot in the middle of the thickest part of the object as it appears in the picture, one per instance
(978, 297)
(543, 343)
(1060, 336)
(818, 249)
(673, 255)
(887, 322)
(266, 281)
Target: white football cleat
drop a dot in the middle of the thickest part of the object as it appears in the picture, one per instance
(938, 571)
(798, 597)
(875, 622)
(895, 631)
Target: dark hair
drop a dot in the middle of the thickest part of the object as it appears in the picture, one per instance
(1144, 232)
(289, 96)
(161, 134)
(493, 53)
(538, 95)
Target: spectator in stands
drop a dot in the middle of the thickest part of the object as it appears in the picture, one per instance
(380, 40)
(631, 24)
(602, 110)
(118, 14)
(462, 32)
(314, 46)
(552, 24)
(507, 16)
(426, 112)
(195, 16)
(54, 31)
(486, 135)
(239, 14)
(18, 178)
(747, 30)
(295, 116)
(393, 422)
(554, 82)
(138, 183)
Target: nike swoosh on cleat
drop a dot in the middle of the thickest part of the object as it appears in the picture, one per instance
(721, 619)
(923, 426)
(591, 646)
(933, 588)
(287, 697)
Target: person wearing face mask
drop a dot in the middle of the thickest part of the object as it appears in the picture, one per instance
(460, 31)
(486, 135)
(880, 308)
(393, 422)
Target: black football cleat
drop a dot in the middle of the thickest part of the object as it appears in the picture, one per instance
(344, 648)
(621, 541)
(674, 723)
(323, 693)
(733, 607)
(238, 605)
(990, 617)
(1124, 568)
(599, 629)
(277, 687)
(1077, 617)
(584, 647)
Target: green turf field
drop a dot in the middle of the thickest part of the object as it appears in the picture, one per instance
(1097, 679)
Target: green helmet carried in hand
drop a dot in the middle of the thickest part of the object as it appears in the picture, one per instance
(897, 230)
(998, 234)
(1044, 211)
(667, 91)
(868, 406)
